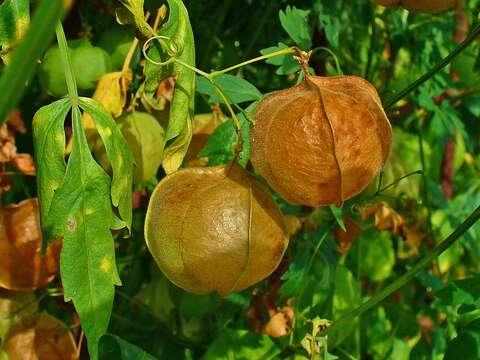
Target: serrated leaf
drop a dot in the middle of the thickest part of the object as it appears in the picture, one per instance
(14, 22)
(49, 143)
(81, 212)
(286, 63)
(295, 22)
(179, 130)
(237, 90)
(119, 156)
(113, 347)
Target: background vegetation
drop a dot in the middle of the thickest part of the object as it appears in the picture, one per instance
(337, 259)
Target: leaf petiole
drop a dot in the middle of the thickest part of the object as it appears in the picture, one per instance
(67, 65)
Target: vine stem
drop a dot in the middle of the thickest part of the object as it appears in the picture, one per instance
(409, 275)
(447, 60)
(67, 65)
(285, 51)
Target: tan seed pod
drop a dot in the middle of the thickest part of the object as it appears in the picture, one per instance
(321, 142)
(214, 229)
(425, 6)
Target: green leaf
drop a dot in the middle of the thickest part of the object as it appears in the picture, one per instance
(220, 145)
(461, 292)
(377, 254)
(466, 344)
(295, 22)
(286, 63)
(49, 143)
(119, 155)
(241, 345)
(14, 21)
(237, 90)
(113, 347)
(338, 215)
(22, 66)
(179, 130)
(133, 15)
(145, 137)
(82, 214)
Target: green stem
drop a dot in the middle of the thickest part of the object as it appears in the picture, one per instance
(333, 55)
(409, 275)
(67, 64)
(236, 122)
(30, 49)
(285, 51)
(447, 60)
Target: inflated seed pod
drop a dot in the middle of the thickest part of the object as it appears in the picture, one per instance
(214, 229)
(425, 6)
(320, 142)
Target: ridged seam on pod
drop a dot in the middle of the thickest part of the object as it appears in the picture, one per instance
(321, 142)
(214, 229)
(426, 6)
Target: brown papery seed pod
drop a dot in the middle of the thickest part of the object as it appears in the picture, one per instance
(321, 142)
(214, 229)
(425, 6)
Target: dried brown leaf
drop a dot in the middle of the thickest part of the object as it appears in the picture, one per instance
(24, 163)
(40, 337)
(386, 218)
(280, 324)
(15, 121)
(23, 268)
(346, 238)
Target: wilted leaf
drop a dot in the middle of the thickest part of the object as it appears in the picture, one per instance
(8, 150)
(16, 122)
(14, 21)
(280, 324)
(40, 337)
(386, 218)
(179, 129)
(133, 14)
(111, 91)
(292, 225)
(347, 237)
(23, 268)
(24, 163)
(13, 306)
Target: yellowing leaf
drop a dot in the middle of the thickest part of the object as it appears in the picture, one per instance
(146, 139)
